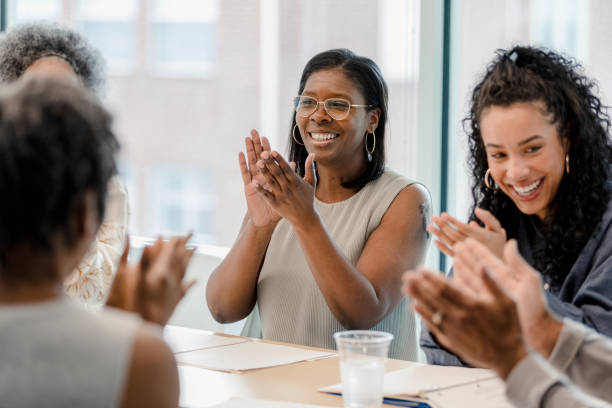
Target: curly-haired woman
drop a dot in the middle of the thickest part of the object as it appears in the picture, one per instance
(51, 50)
(540, 153)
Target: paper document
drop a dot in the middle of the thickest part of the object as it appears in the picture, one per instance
(489, 393)
(182, 339)
(256, 403)
(249, 355)
(442, 386)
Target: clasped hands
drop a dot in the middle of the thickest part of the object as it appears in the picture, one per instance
(273, 189)
(491, 312)
(154, 286)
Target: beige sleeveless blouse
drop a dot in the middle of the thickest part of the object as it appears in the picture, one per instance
(291, 306)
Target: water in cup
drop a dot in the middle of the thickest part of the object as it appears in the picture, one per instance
(363, 356)
(362, 382)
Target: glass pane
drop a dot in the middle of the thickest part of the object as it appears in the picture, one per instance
(20, 11)
(111, 26)
(193, 25)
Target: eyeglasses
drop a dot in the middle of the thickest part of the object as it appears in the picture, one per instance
(336, 108)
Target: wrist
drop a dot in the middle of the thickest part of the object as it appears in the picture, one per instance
(544, 333)
(512, 359)
(305, 223)
(262, 231)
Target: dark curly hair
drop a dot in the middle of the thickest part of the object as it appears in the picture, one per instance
(56, 143)
(25, 43)
(529, 74)
(367, 77)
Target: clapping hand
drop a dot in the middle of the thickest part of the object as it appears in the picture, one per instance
(516, 276)
(450, 231)
(154, 286)
(260, 212)
(284, 190)
(483, 329)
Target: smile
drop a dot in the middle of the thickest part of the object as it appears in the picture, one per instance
(321, 137)
(527, 190)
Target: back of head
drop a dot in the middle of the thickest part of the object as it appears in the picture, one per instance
(56, 144)
(369, 80)
(24, 44)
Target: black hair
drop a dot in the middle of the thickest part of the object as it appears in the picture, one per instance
(530, 74)
(367, 77)
(56, 144)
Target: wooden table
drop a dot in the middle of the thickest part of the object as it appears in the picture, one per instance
(295, 383)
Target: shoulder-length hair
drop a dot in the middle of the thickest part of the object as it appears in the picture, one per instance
(367, 77)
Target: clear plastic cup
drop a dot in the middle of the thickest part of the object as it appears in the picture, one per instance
(363, 357)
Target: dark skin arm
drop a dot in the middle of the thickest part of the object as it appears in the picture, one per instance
(231, 289)
(360, 295)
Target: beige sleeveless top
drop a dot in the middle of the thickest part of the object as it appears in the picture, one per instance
(291, 306)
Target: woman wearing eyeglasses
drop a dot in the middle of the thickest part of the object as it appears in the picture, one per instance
(329, 231)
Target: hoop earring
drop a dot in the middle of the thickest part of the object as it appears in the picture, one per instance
(487, 181)
(293, 134)
(370, 153)
(567, 163)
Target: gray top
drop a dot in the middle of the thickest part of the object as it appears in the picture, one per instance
(577, 374)
(291, 306)
(585, 296)
(56, 354)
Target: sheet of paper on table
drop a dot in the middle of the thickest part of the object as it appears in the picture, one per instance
(182, 339)
(256, 403)
(442, 386)
(249, 355)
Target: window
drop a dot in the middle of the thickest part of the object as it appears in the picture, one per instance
(181, 200)
(110, 26)
(188, 79)
(184, 37)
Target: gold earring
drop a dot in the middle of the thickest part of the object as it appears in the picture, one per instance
(487, 181)
(567, 163)
(293, 134)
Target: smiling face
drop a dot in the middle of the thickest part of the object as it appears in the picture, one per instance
(336, 141)
(525, 154)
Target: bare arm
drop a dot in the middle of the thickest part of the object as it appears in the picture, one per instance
(152, 380)
(360, 295)
(231, 290)
(363, 295)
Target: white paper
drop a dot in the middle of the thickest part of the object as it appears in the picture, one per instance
(483, 394)
(418, 380)
(256, 403)
(249, 355)
(182, 339)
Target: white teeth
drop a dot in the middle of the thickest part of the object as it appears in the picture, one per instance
(526, 190)
(323, 136)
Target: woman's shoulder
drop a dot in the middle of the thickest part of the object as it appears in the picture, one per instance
(395, 183)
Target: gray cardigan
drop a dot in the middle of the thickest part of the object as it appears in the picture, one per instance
(577, 374)
(585, 296)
